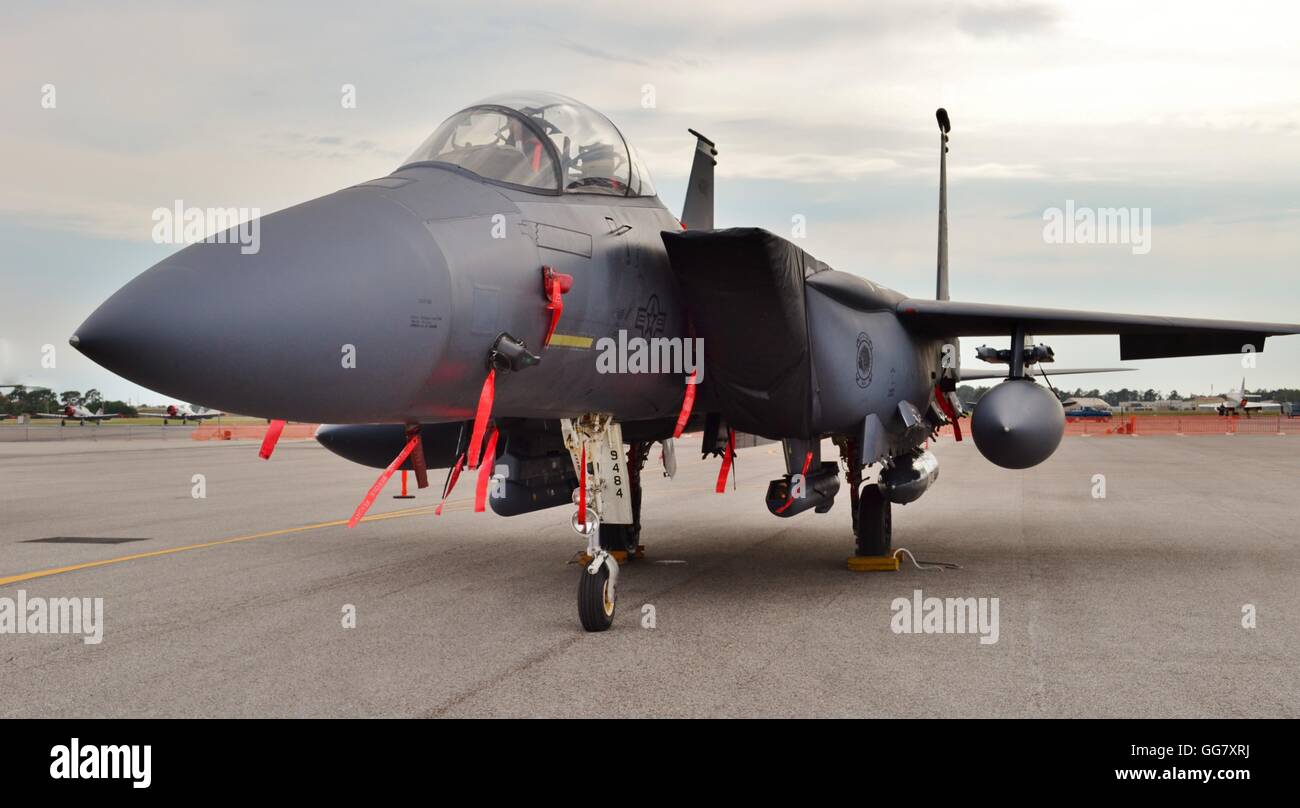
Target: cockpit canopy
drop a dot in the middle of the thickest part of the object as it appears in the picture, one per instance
(539, 141)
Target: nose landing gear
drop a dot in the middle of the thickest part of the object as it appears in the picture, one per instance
(606, 502)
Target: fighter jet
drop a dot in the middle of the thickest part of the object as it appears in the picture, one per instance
(76, 412)
(472, 311)
(187, 413)
(1239, 400)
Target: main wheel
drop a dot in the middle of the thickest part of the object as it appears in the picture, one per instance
(875, 523)
(595, 601)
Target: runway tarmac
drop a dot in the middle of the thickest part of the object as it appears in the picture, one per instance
(1128, 605)
(73, 432)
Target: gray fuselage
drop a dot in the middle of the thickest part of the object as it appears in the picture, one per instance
(379, 303)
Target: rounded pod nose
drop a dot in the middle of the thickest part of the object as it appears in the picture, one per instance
(315, 317)
(1018, 424)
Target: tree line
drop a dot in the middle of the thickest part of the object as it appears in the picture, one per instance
(26, 400)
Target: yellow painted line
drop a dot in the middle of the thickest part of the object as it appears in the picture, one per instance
(571, 341)
(28, 576)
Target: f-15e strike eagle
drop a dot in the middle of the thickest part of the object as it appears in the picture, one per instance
(451, 315)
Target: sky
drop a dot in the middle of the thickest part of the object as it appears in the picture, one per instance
(823, 113)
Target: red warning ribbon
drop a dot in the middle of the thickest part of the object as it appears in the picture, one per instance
(485, 399)
(554, 286)
(485, 472)
(417, 460)
(807, 461)
(688, 403)
(272, 436)
(946, 406)
(727, 457)
(582, 487)
(451, 483)
(379, 483)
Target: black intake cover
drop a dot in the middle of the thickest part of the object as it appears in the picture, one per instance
(744, 291)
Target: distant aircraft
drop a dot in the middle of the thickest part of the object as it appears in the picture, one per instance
(76, 412)
(1239, 399)
(187, 412)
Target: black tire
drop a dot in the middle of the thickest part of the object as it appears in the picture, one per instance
(875, 523)
(595, 612)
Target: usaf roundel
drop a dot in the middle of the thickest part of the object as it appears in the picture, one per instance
(864, 359)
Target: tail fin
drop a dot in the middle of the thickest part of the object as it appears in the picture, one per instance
(697, 210)
(941, 287)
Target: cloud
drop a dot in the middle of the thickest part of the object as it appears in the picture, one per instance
(1000, 171)
(603, 55)
(1007, 19)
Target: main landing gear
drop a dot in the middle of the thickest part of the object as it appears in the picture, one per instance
(872, 516)
(873, 523)
(608, 500)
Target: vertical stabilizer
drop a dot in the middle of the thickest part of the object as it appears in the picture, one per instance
(697, 210)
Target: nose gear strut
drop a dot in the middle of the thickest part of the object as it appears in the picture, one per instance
(606, 499)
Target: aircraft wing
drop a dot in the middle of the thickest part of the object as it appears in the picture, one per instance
(1140, 336)
(50, 415)
(971, 375)
(96, 417)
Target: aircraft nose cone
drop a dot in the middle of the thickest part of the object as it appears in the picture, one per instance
(335, 311)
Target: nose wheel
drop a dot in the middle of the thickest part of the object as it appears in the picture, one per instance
(596, 593)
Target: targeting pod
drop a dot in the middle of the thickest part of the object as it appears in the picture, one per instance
(818, 492)
(907, 480)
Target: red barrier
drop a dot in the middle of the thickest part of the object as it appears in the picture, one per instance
(1173, 425)
(252, 432)
(1203, 425)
